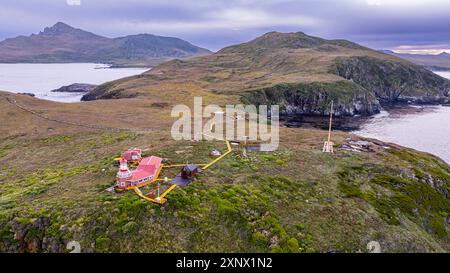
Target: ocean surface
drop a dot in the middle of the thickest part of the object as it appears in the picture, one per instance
(40, 79)
(427, 131)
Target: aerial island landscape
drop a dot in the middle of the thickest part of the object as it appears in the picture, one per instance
(88, 154)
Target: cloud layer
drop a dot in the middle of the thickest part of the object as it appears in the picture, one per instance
(392, 24)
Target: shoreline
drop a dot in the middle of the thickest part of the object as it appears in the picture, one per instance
(353, 123)
(341, 123)
(105, 65)
(418, 127)
(41, 79)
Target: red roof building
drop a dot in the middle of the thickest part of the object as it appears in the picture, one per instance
(132, 155)
(145, 173)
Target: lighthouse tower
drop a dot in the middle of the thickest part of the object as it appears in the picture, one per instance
(124, 174)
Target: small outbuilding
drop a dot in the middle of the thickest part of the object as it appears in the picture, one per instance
(190, 171)
(186, 176)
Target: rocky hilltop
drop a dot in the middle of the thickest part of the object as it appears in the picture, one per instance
(301, 73)
(62, 43)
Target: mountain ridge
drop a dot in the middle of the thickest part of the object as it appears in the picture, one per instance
(63, 43)
(431, 61)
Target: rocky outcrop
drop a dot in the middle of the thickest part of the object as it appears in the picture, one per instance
(27, 94)
(314, 99)
(107, 91)
(76, 88)
(394, 82)
(28, 235)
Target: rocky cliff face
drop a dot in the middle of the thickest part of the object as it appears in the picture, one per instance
(367, 83)
(393, 82)
(314, 99)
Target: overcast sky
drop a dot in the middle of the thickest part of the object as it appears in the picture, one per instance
(402, 25)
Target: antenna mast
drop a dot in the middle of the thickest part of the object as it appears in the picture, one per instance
(331, 121)
(328, 145)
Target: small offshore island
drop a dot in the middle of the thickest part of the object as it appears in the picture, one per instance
(76, 88)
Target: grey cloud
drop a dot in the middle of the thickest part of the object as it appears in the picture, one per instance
(215, 24)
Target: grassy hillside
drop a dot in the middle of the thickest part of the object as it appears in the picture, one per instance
(53, 178)
(357, 78)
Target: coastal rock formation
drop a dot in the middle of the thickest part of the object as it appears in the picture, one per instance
(314, 99)
(106, 91)
(393, 82)
(76, 88)
(27, 94)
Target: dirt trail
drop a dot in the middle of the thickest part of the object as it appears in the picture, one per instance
(90, 126)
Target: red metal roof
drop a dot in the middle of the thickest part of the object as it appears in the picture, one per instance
(147, 167)
(128, 154)
(141, 174)
(152, 160)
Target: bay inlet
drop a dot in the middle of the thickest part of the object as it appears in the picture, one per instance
(41, 79)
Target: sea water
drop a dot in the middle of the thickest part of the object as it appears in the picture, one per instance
(427, 131)
(41, 79)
